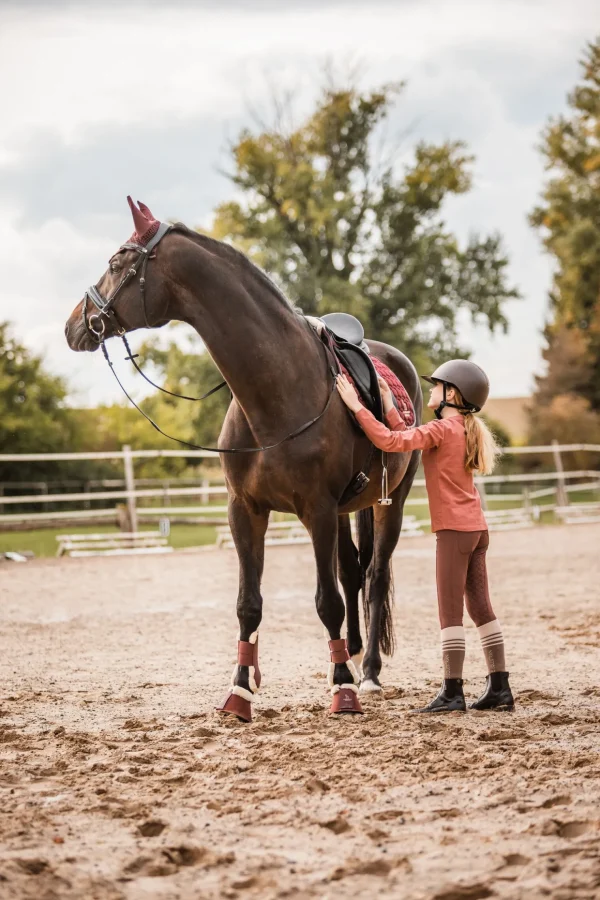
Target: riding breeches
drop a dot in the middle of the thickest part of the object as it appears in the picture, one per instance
(461, 573)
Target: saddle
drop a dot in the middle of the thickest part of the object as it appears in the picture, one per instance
(344, 335)
(347, 342)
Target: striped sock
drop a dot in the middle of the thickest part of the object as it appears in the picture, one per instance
(453, 651)
(492, 644)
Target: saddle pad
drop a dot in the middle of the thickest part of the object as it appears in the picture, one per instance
(399, 393)
(362, 370)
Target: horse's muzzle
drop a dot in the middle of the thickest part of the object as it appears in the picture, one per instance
(77, 337)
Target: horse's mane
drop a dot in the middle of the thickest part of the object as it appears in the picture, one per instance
(237, 257)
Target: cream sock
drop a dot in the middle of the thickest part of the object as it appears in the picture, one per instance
(492, 644)
(453, 651)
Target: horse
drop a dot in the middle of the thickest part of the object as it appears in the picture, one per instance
(280, 377)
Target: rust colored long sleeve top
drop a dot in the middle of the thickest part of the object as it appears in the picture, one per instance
(454, 501)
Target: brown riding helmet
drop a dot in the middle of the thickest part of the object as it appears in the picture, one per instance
(469, 378)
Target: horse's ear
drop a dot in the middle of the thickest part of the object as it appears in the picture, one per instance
(146, 211)
(139, 219)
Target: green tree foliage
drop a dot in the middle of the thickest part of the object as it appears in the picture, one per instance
(33, 416)
(568, 218)
(192, 374)
(342, 232)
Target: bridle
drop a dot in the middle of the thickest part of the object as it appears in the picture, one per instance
(104, 306)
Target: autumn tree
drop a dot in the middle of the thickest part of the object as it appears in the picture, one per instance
(342, 231)
(567, 398)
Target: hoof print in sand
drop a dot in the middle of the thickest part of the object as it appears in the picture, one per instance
(171, 859)
(463, 892)
(378, 867)
(316, 786)
(338, 825)
(152, 828)
(33, 866)
(574, 829)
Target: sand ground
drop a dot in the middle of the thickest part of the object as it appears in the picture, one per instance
(117, 779)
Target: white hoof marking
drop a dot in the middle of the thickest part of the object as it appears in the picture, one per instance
(369, 687)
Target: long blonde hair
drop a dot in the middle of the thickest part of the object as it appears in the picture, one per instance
(482, 449)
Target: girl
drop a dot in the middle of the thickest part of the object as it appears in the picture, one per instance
(454, 445)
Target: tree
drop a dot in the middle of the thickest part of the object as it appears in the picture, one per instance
(342, 232)
(33, 415)
(192, 374)
(559, 409)
(568, 218)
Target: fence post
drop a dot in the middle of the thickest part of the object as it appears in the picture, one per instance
(205, 496)
(561, 494)
(130, 486)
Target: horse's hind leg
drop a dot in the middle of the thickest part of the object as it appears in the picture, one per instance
(379, 593)
(248, 528)
(350, 575)
(342, 675)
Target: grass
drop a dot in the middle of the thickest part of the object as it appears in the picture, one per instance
(42, 542)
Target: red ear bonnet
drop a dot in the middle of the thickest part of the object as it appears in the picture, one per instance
(146, 225)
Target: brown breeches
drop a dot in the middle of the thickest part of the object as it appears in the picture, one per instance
(461, 573)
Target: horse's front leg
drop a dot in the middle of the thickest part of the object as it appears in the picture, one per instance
(248, 529)
(342, 675)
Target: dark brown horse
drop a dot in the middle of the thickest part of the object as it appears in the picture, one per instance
(280, 377)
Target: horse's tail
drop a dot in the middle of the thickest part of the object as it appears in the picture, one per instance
(365, 527)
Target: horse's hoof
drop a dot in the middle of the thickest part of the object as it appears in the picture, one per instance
(345, 701)
(236, 706)
(370, 687)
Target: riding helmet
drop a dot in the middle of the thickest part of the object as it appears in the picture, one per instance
(468, 377)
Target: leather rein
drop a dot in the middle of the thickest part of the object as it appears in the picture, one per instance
(95, 326)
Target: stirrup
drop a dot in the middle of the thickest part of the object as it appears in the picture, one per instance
(385, 500)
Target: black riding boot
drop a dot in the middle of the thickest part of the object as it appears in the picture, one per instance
(450, 698)
(497, 694)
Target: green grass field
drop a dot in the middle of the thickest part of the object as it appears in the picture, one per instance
(42, 542)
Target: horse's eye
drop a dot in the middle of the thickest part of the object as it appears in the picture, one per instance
(114, 268)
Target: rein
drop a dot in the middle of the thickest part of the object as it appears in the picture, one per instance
(288, 437)
(96, 328)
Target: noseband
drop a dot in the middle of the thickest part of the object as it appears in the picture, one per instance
(95, 325)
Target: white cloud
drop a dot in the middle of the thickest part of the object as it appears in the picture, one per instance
(82, 82)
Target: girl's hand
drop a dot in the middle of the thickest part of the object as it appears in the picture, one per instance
(384, 388)
(348, 394)
(386, 395)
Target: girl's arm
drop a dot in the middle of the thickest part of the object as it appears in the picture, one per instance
(394, 420)
(422, 438)
(397, 441)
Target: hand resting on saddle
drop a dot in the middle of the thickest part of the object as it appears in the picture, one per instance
(348, 394)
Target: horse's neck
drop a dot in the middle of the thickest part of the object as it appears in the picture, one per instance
(265, 351)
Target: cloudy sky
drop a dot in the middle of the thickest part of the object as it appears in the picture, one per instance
(100, 100)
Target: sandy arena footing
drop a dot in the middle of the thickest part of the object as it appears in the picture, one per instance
(118, 780)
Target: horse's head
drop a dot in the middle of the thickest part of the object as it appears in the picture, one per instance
(125, 298)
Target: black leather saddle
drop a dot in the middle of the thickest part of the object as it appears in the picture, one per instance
(347, 340)
(347, 328)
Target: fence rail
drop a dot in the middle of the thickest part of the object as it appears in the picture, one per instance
(203, 454)
(132, 493)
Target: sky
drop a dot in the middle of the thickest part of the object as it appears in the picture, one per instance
(101, 100)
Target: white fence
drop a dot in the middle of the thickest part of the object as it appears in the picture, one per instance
(563, 483)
